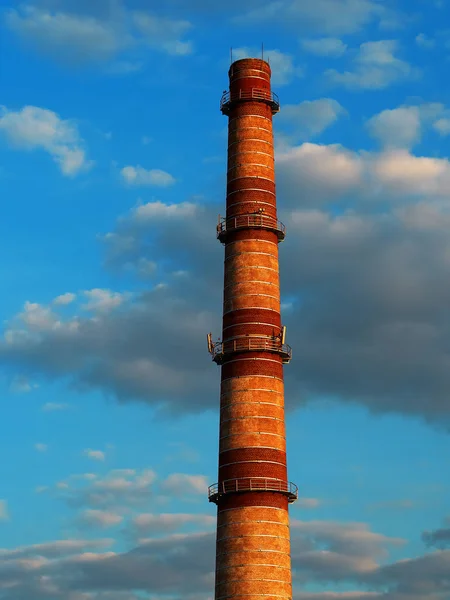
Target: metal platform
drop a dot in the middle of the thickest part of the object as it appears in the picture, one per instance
(220, 350)
(253, 484)
(249, 221)
(229, 100)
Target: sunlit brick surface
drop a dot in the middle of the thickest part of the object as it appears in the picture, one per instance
(253, 548)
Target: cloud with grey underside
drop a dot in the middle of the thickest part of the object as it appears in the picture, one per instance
(324, 552)
(364, 268)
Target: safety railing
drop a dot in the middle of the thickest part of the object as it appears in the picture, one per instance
(258, 221)
(252, 484)
(219, 350)
(258, 94)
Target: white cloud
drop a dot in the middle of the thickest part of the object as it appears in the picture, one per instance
(402, 127)
(162, 33)
(442, 126)
(54, 406)
(3, 510)
(326, 17)
(37, 316)
(141, 177)
(282, 65)
(402, 173)
(21, 385)
(56, 549)
(35, 128)
(181, 483)
(320, 172)
(310, 118)
(94, 454)
(166, 522)
(424, 41)
(64, 299)
(330, 47)
(100, 518)
(41, 447)
(144, 214)
(86, 34)
(146, 268)
(310, 174)
(365, 266)
(72, 37)
(116, 491)
(375, 67)
(102, 300)
(398, 128)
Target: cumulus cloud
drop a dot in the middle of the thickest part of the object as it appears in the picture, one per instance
(64, 299)
(329, 47)
(94, 454)
(83, 34)
(442, 126)
(322, 552)
(34, 128)
(99, 518)
(423, 41)
(375, 67)
(398, 128)
(181, 484)
(76, 38)
(402, 127)
(101, 300)
(439, 538)
(368, 233)
(162, 33)
(138, 176)
(21, 385)
(115, 492)
(309, 118)
(150, 524)
(329, 17)
(302, 169)
(54, 549)
(283, 68)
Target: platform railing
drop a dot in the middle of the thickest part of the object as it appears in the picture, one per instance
(249, 344)
(248, 221)
(252, 484)
(253, 94)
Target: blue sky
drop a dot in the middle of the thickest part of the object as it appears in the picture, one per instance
(112, 174)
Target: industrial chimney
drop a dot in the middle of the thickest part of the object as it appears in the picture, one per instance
(253, 492)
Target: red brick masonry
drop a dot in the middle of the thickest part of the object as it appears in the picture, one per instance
(252, 494)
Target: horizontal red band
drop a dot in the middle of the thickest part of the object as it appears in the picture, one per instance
(268, 499)
(230, 456)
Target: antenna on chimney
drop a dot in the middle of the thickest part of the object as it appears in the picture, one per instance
(210, 343)
(262, 51)
(231, 56)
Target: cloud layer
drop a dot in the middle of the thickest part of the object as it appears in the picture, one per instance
(365, 262)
